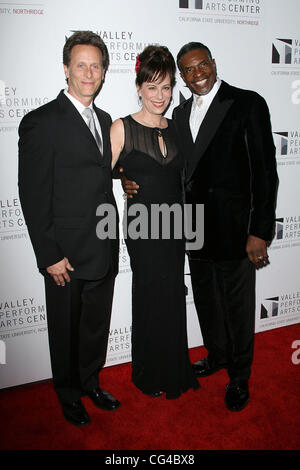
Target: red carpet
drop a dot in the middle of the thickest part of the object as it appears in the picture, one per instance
(32, 419)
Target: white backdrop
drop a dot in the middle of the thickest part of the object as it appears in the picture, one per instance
(256, 46)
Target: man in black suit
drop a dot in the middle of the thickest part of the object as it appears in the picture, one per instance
(231, 169)
(226, 138)
(64, 176)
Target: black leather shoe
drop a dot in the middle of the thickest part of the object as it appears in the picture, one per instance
(204, 369)
(237, 395)
(103, 399)
(75, 413)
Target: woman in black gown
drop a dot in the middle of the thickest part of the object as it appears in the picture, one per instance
(145, 145)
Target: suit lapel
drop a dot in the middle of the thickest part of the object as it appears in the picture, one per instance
(104, 130)
(213, 119)
(182, 123)
(72, 115)
(186, 122)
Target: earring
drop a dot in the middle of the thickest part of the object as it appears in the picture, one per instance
(140, 100)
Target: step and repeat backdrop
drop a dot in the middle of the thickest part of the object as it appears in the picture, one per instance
(256, 45)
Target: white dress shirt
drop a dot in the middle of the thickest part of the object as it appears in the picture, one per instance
(80, 108)
(198, 112)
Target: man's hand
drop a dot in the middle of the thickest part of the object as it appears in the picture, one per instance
(129, 187)
(59, 271)
(257, 251)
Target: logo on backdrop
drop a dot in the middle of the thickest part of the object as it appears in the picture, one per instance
(282, 51)
(279, 224)
(282, 143)
(184, 95)
(12, 223)
(21, 11)
(14, 104)
(269, 308)
(286, 52)
(237, 12)
(286, 61)
(280, 310)
(119, 345)
(124, 260)
(285, 56)
(287, 147)
(21, 316)
(287, 232)
(123, 47)
(197, 4)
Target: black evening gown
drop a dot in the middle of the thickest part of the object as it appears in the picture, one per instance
(160, 359)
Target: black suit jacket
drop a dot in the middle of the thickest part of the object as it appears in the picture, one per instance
(62, 180)
(231, 169)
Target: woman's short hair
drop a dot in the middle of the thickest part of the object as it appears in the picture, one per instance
(153, 63)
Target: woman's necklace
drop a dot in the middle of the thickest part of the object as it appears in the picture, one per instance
(164, 149)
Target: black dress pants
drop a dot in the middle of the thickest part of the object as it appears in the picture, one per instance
(224, 296)
(78, 327)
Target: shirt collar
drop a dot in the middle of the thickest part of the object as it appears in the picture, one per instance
(78, 105)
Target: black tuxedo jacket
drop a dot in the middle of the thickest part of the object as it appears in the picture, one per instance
(231, 169)
(62, 180)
